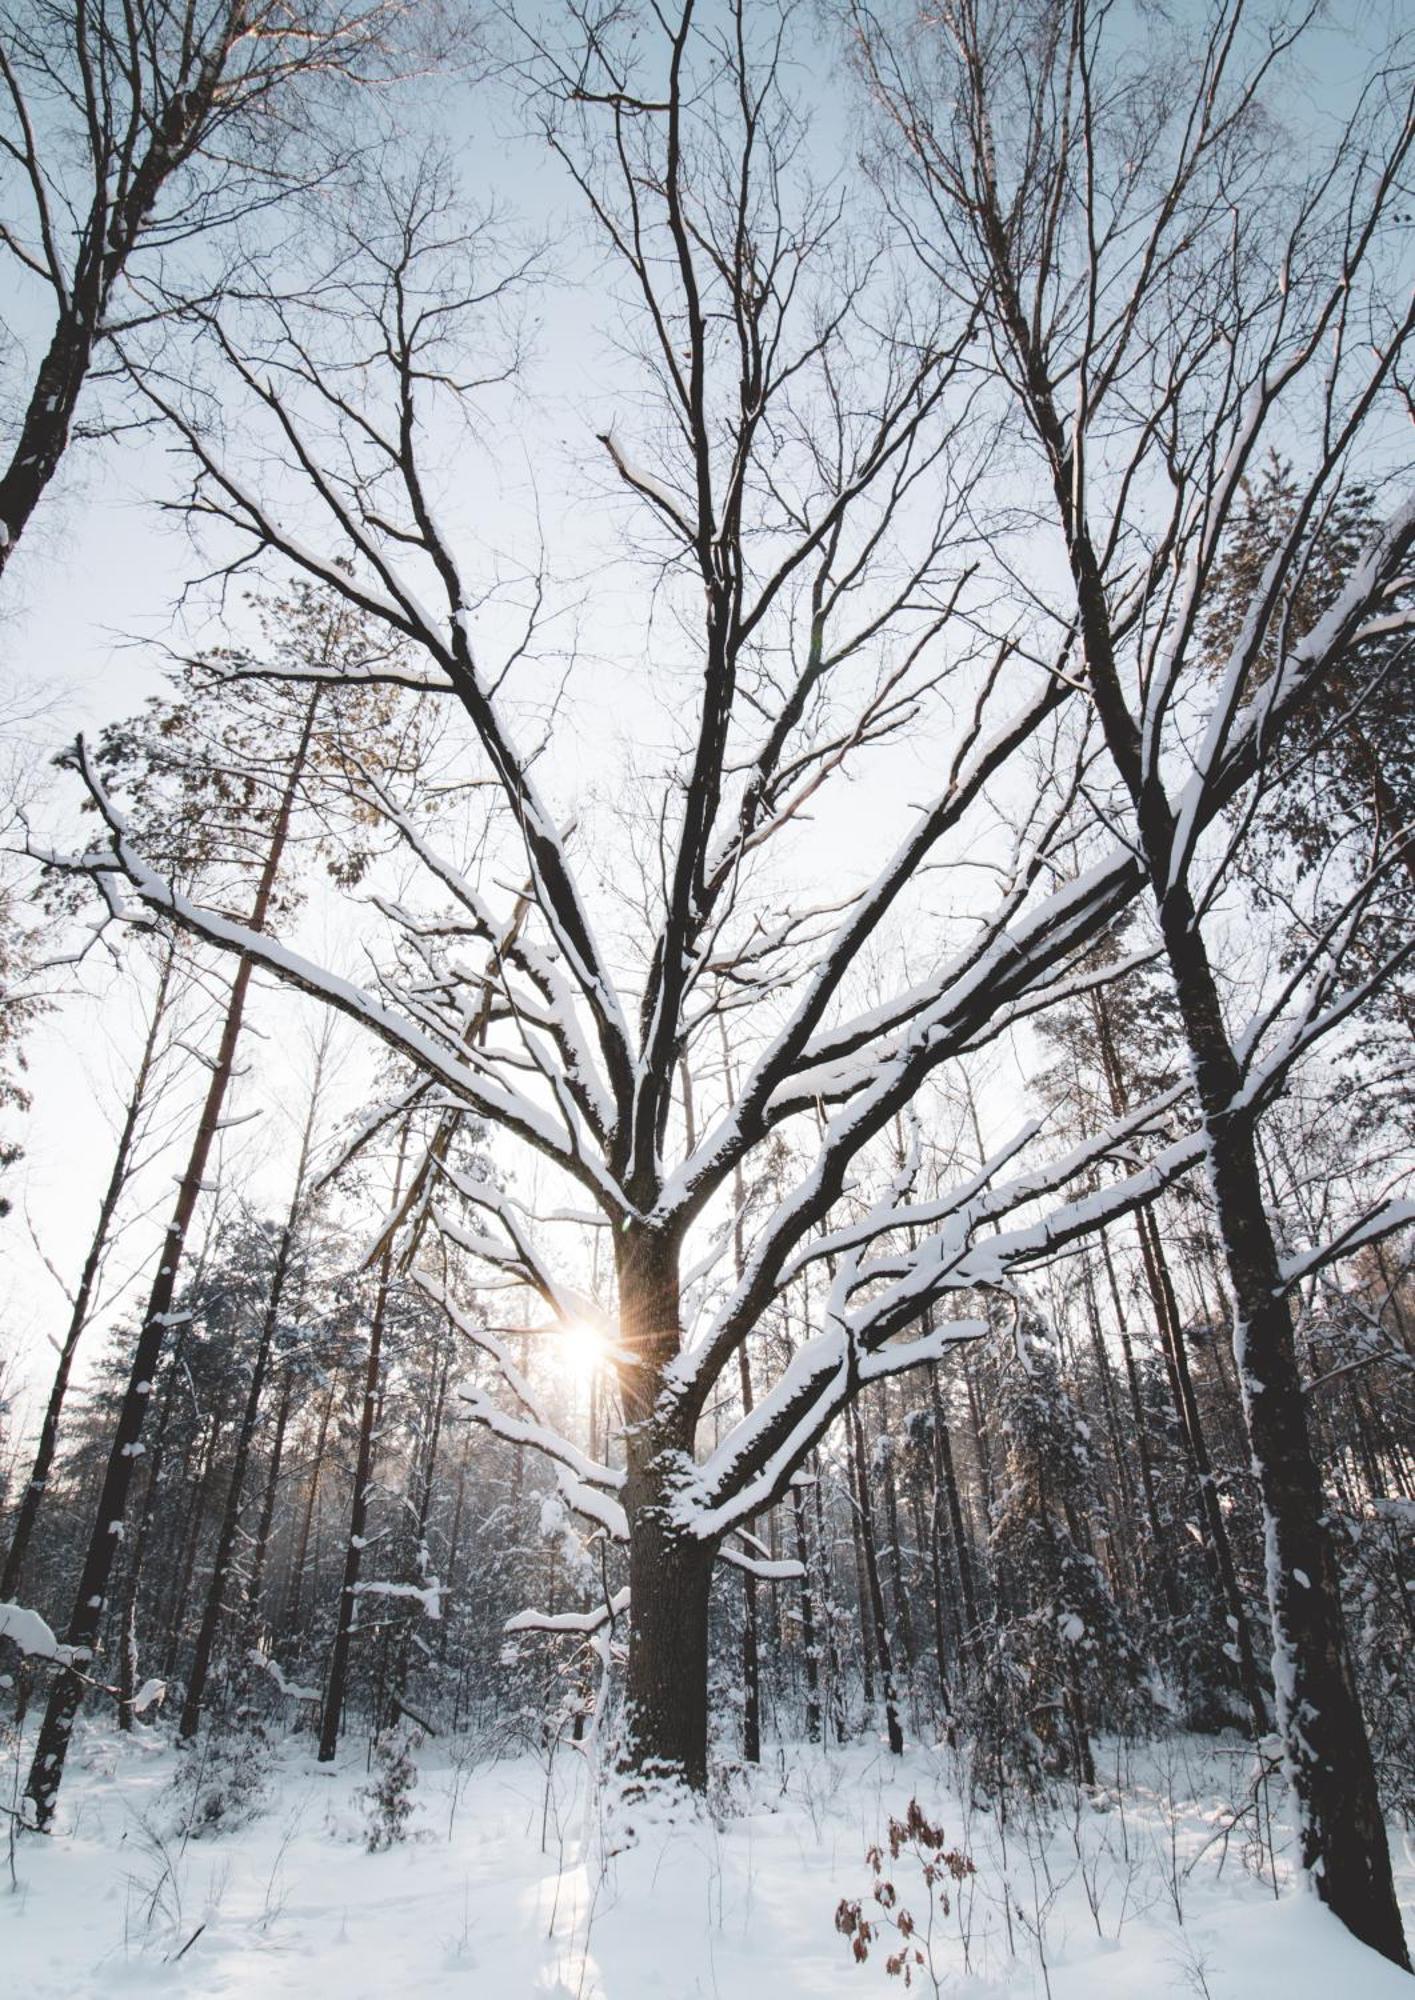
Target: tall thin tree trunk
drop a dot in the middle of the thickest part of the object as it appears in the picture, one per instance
(128, 1610)
(1167, 1321)
(176, 1610)
(809, 1651)
(260, 1552)
(215, 1605)
(946, 1483)
(338, 1677)
(290, 1614)
(38, 1479)
(751, 1652)
(867, 1537)
(417, 1568)
(91, 1598)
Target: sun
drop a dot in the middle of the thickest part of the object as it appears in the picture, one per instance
(586, 1349)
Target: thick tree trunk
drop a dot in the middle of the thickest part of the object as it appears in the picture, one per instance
(670, 1575)
(49, 417)
(1328, 1754)
(670, 1570)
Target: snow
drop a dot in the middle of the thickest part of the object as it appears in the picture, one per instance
(27, 1630)
(521, 1880)
(428, 1595)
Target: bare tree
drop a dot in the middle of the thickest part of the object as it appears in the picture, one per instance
(806, 474)
(1169, 292)
(133, 139)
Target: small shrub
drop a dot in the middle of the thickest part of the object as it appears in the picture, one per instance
(221, 1780)
(863, 1922)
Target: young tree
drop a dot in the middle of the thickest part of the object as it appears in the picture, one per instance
(1060, 1659)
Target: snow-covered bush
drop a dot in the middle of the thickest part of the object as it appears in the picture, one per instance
(222, 1779)
(388, 1797)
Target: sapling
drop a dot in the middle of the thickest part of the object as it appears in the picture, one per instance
(389, 1797)
(939, 1866)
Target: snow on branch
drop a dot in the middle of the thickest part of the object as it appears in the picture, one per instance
(583, 1622)
(1387, 1220)
(428, 1595)
(492, 1098)
(32, 1634)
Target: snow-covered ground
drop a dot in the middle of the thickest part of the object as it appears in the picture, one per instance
(516, 1883)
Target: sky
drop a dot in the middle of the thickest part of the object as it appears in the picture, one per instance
(89, 604)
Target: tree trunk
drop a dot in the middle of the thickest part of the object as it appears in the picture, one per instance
(91, 1597)
(669, 1579)
(260, 1553)
(49, 416)
(670, 1570)
(867, 1538)
(332, 1714)
(751, 1651)
(1167, 1322)
(176, 1611)
(83, 1298)
(235, 1492)
(808, 1620)
(1182, 1383)
(128, 1614)
(946, 1481)
(1328, 1753)
(290, 1614)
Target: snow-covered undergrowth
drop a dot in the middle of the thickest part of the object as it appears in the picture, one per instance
(519, 1881)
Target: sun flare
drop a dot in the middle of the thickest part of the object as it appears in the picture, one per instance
(586, 1349)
